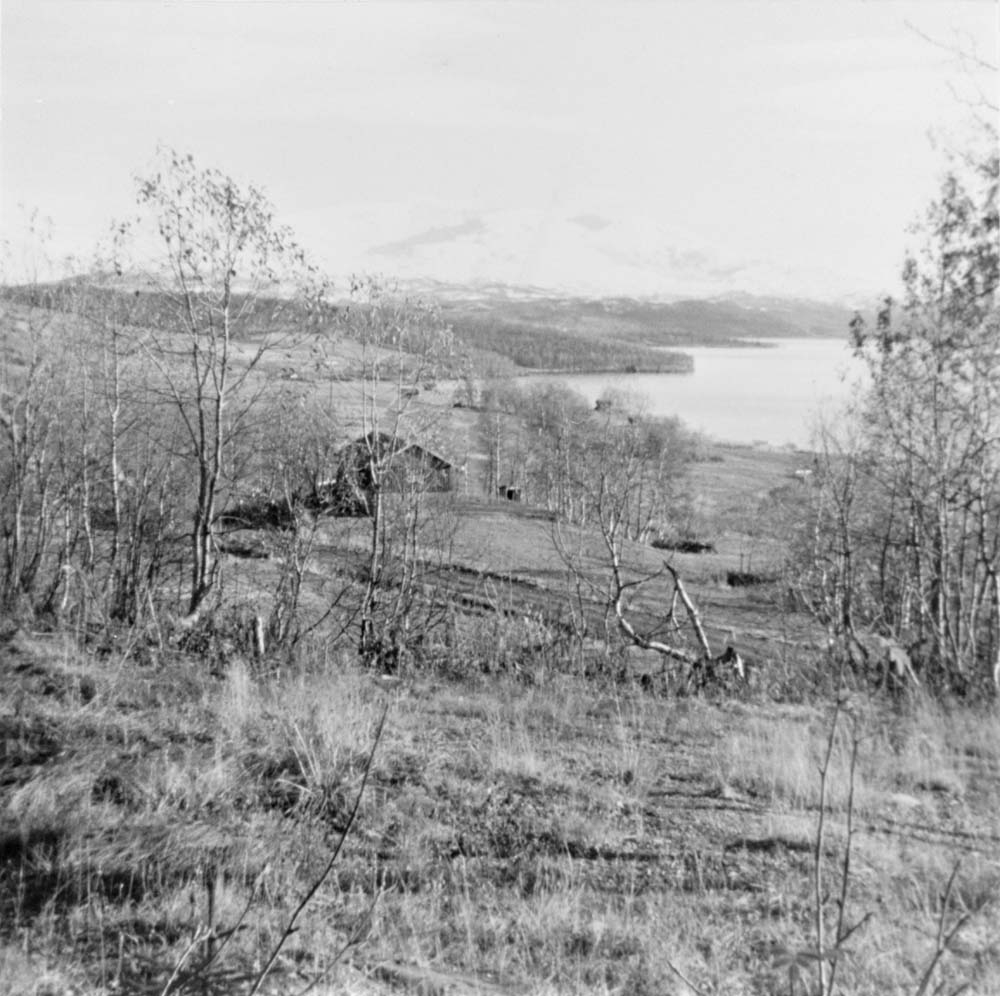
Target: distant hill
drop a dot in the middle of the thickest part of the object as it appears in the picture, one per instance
(626, 333)
(529, 329)
(141, 302)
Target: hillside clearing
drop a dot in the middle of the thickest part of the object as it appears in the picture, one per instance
(556, 837)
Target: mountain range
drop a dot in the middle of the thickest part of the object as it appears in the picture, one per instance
(530, 253)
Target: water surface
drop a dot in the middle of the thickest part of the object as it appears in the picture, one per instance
(745, 395)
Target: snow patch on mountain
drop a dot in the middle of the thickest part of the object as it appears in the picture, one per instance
(580, 254)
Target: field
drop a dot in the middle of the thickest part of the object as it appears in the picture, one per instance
(529, 833)
(522, 813)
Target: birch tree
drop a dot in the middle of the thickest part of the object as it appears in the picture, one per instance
(917, 548)
(229, 275)
(404, 344)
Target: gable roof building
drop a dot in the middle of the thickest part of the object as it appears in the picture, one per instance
(380, 461)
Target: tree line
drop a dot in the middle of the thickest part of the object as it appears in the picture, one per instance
(532, 346)
(547, 445)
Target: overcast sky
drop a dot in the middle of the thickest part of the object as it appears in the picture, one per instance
(651, 148)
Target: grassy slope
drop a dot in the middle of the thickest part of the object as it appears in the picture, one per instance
(551, 836)
(534, 830)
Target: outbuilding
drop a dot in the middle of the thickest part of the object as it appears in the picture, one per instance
(388, 462)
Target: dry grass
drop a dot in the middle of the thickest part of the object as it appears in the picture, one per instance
(926, 750)
(555, 836)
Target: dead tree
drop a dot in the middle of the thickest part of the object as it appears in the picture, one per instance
(702, 667)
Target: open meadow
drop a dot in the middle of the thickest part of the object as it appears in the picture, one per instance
(527, 831)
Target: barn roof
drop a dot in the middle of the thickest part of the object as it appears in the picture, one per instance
(401, 445)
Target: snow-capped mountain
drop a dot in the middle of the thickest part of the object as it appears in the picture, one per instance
(585, 254)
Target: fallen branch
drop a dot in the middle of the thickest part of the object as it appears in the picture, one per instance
(703, 666)
(692, 612)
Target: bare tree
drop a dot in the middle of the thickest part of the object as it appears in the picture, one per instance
(557, 421)
(32, 386)
(38, 431)
(630, 478)
(908, 515)
(230, 275)
(390, 469)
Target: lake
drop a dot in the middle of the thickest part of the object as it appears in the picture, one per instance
(744, 394)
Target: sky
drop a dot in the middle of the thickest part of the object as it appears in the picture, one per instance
(657, 148)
